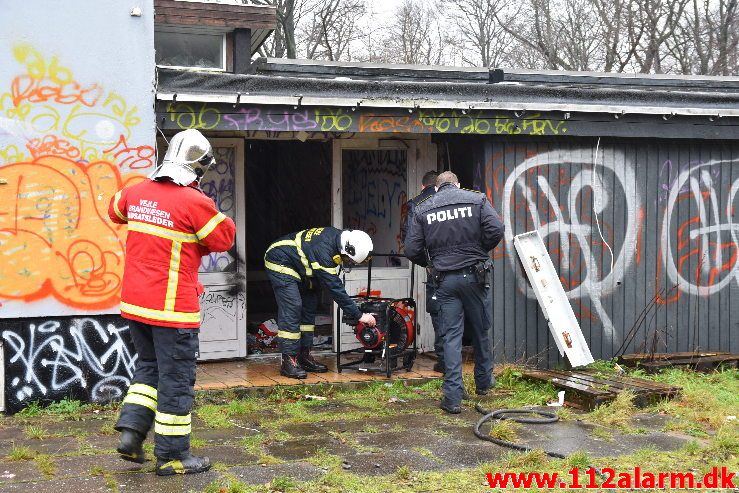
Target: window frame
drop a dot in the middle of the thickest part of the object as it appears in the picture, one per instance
(196, 31)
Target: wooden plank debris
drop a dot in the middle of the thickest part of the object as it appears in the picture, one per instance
(705, 361)
(589, 388)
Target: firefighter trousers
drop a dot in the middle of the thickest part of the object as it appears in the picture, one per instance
(296, 312)
(162, 389)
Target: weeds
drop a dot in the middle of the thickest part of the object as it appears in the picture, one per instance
(21, 453)
(46, 466)
(36, 432)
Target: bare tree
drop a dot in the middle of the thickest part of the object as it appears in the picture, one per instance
(476, 21)
(415, 35)
(289, 14)
(561, 32)
(334, 27)
(707, 39)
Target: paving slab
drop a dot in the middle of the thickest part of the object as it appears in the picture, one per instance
(86, 485)
(297, 471)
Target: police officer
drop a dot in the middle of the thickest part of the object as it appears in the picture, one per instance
(428, 183)
(171, 225)
(296, 265)
(453, 232)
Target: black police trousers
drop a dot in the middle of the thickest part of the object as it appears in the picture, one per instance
(162, 389)
(296, 312)
(462, 298)
(432, 308)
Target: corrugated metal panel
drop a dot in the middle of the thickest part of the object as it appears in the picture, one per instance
(669, 211)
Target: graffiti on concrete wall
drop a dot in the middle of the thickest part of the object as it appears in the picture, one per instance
(629, 231)
(65, 148)
(317, 122)
(84, 358)
(218, 184)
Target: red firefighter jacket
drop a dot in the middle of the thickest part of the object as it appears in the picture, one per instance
(169, 229)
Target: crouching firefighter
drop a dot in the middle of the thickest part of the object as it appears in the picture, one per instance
(171, 225)
(296, 265)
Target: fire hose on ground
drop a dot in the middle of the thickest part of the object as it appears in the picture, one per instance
(517, 415)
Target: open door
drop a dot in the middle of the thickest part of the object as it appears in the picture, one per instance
(223, 317)
(372, 181)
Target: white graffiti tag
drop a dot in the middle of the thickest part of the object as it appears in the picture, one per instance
(709, 238)
(593, 283)
(84, 354)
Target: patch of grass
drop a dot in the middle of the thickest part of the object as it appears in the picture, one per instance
(513, 391)
(268, 460)
(425, 452)
(691, 448)
(111, 483)
(565, 414)
(506, 430)
(616, 414)
(602, 433)
(687, 427)
(403, 473)
(230, 484)
(220, 467)
(84, 447)
(69, 408)
(31, 410)
(46, 466)
(35, 432)
(371, 429)
(253, 443)
(528, 461)
(325, 460)
(107, 429)
(281, 484)
(21, 453)
(580, 459)
(214, 415)
(97, 471)
(726, 442)
(705, 399)
(197, 442)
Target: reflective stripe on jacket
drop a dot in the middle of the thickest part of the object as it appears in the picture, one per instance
(169, 229)
(312, 253)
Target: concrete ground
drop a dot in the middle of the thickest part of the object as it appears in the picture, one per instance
(372, 438)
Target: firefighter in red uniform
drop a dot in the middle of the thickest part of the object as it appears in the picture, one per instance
(171, 225)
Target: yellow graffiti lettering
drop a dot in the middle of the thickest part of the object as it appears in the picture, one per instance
(333, 120)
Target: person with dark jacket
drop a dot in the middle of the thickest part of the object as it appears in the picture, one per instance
(296, 263)
(453, 232)
(428, 183)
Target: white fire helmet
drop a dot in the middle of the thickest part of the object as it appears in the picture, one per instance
(356, 244)
(188, 157)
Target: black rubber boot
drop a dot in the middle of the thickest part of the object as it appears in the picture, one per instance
(486, 390)
(306, 361)
(439, 367)
(192, 464)
(449, 407)
(131, 446)
(291, 368)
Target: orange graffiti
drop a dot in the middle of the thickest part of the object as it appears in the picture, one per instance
(132, 157)
(55, 236)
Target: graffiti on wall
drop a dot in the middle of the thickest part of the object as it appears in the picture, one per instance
(699, 252)
(317, 122)
(529, 196)
(582, 206)
(218, 184)
(65, 149)
(84, 358)
(374, 195)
